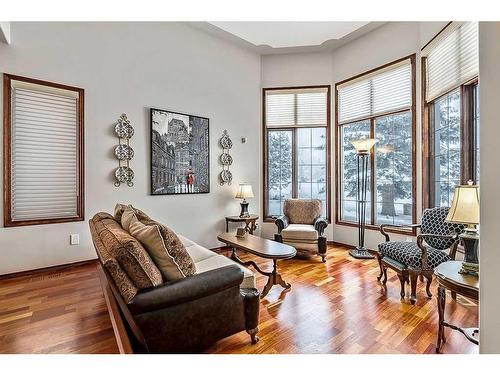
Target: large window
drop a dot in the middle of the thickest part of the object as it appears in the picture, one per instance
(43, 152)
(451, 113)
(378, 104)
(296, 146)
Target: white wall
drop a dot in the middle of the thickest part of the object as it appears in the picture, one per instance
(130, 67)
(489, 58)
(5, 32)
(387, 43)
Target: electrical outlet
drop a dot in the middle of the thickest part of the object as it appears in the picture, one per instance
(74, 239)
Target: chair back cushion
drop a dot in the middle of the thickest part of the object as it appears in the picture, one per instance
(302, 211)
(123, 257)
(433, 222)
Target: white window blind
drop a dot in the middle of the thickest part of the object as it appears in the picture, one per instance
(452, 59)
(44, 152)
(383, 91)
(296, 107)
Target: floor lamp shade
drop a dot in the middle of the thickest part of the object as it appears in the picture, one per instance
(363, 148)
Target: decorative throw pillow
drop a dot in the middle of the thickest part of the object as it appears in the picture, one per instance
(163, 245)
(120, 208)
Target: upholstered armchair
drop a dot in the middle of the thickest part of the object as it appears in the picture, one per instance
(302, 226)
(436, 243)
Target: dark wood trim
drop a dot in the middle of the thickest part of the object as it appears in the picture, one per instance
(467, 136)
(293, 129)
(427, 186)
(119, 329)
(7, 152)
(413, 109)
(435, 36)
(37, 271)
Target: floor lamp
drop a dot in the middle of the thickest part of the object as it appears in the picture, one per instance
(363, 147)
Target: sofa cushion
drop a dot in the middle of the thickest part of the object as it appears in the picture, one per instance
(123, 256)
(199, 253)
(300, 232)
(302, 211)
(163, 245)
(218, 261)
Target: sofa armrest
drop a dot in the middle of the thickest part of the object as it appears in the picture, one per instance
(186, 290)
(320, 225)
(282, 222)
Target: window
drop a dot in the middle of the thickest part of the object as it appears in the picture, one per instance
(296, 146)
(378, 104)
(43, 152)
(451, 112)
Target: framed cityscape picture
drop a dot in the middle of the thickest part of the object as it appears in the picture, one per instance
(180, 160)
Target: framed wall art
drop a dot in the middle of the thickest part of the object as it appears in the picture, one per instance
(180, 153)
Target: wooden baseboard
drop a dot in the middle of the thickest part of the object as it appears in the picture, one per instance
(34, 272)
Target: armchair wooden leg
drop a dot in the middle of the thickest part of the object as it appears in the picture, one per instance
(323, 258)
(413, 285)
(379, 259)
(402, 281)
(428, 276)
(454, 295)
(384, 280)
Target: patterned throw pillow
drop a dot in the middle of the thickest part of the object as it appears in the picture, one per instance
(163, 245)
(120, 208)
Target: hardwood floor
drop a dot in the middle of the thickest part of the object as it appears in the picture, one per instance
(337, 307)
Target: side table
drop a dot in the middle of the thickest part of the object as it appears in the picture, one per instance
(466, 285)
(250, 222)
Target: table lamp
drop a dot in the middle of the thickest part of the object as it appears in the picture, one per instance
(363, 147)
(465, 210)
(244, 191)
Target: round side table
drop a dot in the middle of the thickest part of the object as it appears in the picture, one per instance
(466, 285)
(250, 222)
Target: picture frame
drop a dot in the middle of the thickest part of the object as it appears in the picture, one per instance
(180, 153)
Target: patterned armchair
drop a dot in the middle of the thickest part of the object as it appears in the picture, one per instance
(302, 226)
(410, 259)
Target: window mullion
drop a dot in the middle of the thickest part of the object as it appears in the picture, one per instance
(294, 164)
(372, 173)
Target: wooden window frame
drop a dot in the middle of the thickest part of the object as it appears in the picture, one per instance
(372, 119)
(467, 135)
(7, 152)
(265, 185)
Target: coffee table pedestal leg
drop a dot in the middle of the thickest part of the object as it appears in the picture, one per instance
(274, 278)
(441, 300)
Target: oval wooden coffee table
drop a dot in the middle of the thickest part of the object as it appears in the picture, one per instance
(263, 248)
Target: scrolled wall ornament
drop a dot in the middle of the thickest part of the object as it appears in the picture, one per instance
(225, 176)
(123, 152)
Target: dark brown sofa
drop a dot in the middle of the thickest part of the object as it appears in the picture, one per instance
(171, 317)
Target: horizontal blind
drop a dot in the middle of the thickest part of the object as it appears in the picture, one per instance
(452, 60)
(296, 107)
(381, 92)
(44, 154)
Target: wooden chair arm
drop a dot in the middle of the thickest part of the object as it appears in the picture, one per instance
(386, 235)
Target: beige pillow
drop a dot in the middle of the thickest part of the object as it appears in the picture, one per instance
(163, 246)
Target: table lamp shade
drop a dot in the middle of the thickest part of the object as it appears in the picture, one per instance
(363, 146)
(465, 205)
(244, 191)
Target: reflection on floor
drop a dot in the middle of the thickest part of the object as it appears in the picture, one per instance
(337, 307)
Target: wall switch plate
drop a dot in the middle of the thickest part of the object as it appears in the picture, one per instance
(74, 239)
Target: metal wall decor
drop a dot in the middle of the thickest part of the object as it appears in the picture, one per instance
(123, 152)
(225, 176)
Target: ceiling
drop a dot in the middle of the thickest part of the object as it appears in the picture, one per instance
(288, 37)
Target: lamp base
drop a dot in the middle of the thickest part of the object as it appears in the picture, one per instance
(360, 253)
(469, 269)
(244, 209)
(470, 265)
